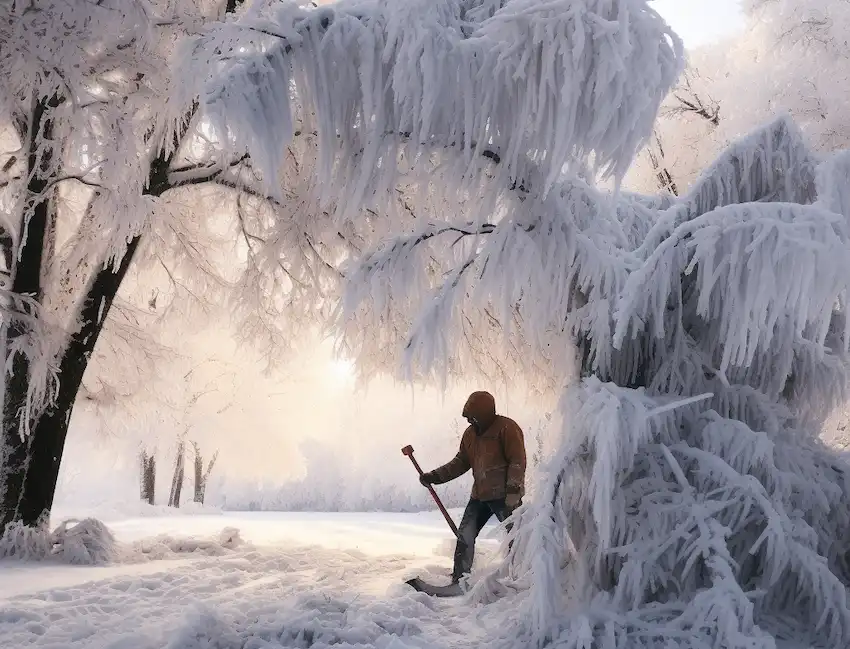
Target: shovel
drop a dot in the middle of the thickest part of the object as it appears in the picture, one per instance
(408, 451)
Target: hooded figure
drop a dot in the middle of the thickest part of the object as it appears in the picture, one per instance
(493, 447)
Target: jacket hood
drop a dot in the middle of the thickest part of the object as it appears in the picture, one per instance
(481, 406)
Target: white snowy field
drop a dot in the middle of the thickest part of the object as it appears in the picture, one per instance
(297, 580)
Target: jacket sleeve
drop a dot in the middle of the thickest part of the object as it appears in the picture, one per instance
(455, 467)
(514, 449)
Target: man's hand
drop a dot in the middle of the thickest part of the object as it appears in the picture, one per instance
(512, 501)
(426, 479)
(513, 497)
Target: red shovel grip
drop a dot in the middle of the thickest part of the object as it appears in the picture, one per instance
(408, 451)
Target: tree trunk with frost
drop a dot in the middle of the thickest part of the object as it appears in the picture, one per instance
(179, 475)
(147, 477)
(26, 282)
(33, 469)
(202, 476)
(47, 437)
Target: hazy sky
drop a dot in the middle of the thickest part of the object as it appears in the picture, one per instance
(701, 21)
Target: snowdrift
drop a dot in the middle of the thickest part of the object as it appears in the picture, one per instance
(90, 542)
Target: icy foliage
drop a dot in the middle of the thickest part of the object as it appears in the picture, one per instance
(789, 57)
(722, 516)
(23, 542)
(86, 542)
(772, 164)
(535, 86)
(667, 520)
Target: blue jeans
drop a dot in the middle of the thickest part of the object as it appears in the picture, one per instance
(475, 517)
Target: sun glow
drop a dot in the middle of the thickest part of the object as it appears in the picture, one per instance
(341, 369)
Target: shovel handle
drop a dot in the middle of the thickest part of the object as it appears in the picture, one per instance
(408, 451)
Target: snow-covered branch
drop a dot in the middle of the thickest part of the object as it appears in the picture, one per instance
(681, 526)
(461, 75)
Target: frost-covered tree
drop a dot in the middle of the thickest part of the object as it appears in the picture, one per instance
(689, 502)
(791, 56)
(92, 196)
(62, 63)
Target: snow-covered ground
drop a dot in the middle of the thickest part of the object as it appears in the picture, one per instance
(298, 580)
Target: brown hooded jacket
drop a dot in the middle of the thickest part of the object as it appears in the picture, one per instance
(496, 456)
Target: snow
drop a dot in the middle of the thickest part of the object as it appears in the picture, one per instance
(300, 579)
(661, 514)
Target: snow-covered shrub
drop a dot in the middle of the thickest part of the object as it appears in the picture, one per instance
(90, 542)
(25, 542)
(85, 542)
(691, 498)
(682, 522)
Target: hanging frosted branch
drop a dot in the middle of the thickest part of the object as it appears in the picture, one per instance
(766, 276)
(470, 85)
(773, 163)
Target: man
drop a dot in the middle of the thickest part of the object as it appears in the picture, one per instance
(492, 446)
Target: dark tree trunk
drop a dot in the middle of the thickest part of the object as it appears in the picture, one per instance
(48, 435)
(200, 487)
(179, 475)
(26, 281)
(199, 475)
(14, 460)
(147, 471)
